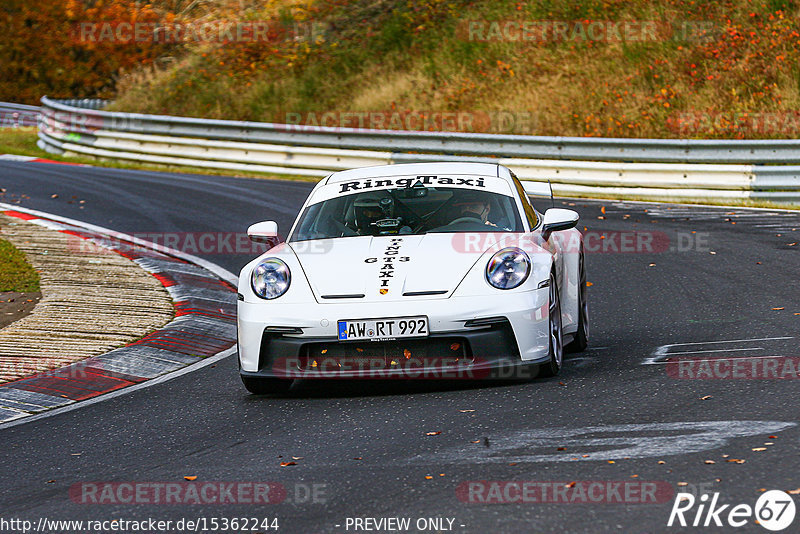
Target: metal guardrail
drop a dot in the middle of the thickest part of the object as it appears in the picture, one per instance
(16, 115)
(509, 146)
(642, 167)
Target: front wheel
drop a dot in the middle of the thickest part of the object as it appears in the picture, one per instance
(265, 386)
(581, 340)
(552, 367)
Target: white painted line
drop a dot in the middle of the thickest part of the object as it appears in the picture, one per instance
(718, 359)
(729, 341)
(622, 203)
(663, 352)
(223, 274)
(15, 157)
(126, 390)
(719, 350)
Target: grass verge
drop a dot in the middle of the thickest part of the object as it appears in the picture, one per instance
(16, 274)
(22, 141)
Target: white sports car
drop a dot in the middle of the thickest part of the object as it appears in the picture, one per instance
(429, 270)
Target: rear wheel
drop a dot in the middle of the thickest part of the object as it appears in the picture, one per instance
(264, 386)
(552, 367)
(581, 340)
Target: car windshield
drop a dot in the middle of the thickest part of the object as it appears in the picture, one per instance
(410, 210)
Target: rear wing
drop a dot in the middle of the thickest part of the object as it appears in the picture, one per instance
(538, 189)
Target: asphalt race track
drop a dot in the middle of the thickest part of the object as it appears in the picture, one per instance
(617, 413)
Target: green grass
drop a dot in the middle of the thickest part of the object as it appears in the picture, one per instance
(22, 141)
(711, 70)
(16, 274)
(725, 202)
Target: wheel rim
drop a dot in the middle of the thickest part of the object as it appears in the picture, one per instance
(555, 324)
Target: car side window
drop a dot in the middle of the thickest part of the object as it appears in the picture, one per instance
(530, 213)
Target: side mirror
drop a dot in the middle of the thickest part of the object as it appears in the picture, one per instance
(263, 232)
(556, 219)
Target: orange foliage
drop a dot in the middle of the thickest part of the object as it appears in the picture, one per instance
(44, 52)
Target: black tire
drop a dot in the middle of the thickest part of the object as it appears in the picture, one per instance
(553, 367)
(581, 340)
(265, 386)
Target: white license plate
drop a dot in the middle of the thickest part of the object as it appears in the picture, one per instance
(383, 329)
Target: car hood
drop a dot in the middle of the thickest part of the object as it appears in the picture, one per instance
(385, 268)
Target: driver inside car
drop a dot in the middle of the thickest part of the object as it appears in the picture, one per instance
(367, 212)
(473, 206)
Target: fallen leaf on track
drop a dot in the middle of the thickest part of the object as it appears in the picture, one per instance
(570, 485)
(287, 464)
(781, 308)
(710, 462)
(735, 461)
(706, 397)
(759, 449)
(794, 491)
(432, 433)
(428, 477)
(466, 411)
(191, 478)
(683, 483)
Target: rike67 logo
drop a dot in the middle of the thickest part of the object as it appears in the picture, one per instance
(774, 510)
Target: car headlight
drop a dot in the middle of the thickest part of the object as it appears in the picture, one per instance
(270, 279)
(508, 268)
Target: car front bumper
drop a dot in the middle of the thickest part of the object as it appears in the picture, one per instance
(469, 338)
